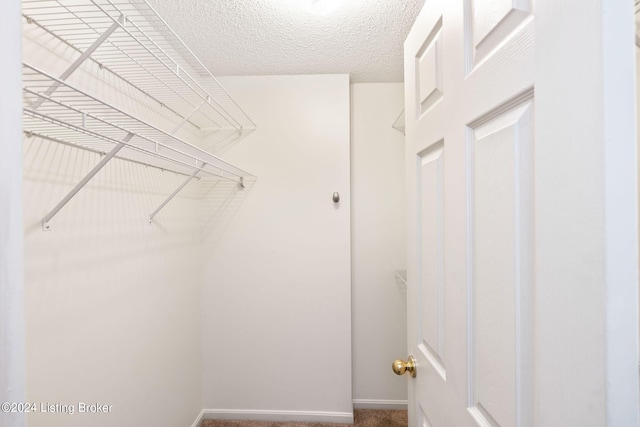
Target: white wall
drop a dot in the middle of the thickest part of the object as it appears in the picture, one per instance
(276, 297)
(11, 240)
(112, 303)
(378, 244)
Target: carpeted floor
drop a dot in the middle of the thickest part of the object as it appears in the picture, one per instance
(362, 418)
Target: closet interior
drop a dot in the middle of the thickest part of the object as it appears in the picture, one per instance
(123, 125)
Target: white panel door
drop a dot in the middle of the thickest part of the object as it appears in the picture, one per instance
(470, 101)
(473, 191)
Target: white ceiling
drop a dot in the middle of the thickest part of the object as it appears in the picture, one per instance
(362, 38)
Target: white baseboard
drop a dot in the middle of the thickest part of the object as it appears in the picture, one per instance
(302, 416)
(269, 415)
(198, 420)
(379, 404)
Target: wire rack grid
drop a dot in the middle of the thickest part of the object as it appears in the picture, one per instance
(77, 118)
(140, 48)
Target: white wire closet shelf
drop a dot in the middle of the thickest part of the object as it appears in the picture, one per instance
(76, 118)
(128, 40)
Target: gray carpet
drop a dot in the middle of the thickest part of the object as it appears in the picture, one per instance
(362, 418)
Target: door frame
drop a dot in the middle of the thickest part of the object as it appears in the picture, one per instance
(597, 309)
(12, 364)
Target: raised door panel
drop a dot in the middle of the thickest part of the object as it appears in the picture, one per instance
(501, 243)
(430, 269)
(429, 78)
(492, 23)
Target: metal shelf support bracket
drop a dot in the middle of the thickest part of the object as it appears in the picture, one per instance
(186, 118)
(45, 221)
(177, 190)
(85, 55)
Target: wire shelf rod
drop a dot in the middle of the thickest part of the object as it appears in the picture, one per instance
(142, 24)
(146, 72)
(174, 68)
(204, 99)
(195, 58)
(218, 172)
(32, 21)
(83, 101)
(32, 134)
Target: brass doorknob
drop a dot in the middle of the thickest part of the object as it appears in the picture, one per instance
(400, 366)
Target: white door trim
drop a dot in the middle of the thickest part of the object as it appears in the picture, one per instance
(591, 269)
(12, 364)
(621, 215)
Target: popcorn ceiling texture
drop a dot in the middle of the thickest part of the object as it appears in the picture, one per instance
(363, 38)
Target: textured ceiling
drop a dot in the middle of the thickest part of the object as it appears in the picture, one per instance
(362, 38)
